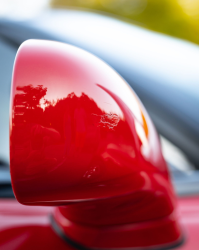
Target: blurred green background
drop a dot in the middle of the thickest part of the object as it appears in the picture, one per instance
(179, 18)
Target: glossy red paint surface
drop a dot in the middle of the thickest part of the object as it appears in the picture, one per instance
(188, 210)
(77, 130)
(79, 136)
(25, 227)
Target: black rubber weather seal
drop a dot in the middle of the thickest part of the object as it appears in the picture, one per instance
(58, 230)
(68, 240)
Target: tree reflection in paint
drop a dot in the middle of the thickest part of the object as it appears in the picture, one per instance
(72, 132)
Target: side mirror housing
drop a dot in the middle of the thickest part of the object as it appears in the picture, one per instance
(81, 139)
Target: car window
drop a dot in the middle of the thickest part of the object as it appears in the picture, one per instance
(7, 55)
(184, 176)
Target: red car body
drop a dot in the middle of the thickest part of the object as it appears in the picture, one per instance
(23, 227)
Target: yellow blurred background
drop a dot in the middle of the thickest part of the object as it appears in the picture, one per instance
(179, 18)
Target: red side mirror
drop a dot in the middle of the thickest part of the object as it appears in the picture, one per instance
(79, 135)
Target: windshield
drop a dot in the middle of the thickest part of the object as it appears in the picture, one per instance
(7, 53)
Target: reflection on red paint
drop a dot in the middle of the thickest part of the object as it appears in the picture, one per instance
(71, 133)
(80, 136)
(24, 227)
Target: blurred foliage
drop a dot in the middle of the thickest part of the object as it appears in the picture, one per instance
(179, 18)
